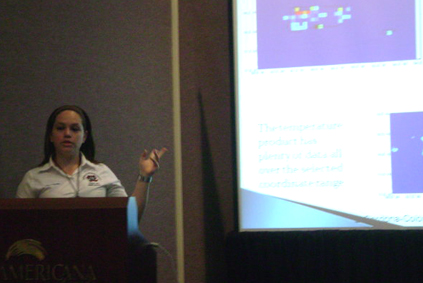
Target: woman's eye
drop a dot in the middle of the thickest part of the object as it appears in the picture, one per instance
(76, 129)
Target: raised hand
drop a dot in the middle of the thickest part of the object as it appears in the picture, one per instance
(150, 162)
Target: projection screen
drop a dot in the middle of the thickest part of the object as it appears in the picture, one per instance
(329, 114)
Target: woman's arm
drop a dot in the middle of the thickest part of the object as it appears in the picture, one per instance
(148, 165)
(25, 189)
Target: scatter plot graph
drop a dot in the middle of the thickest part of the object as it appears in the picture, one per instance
(334, 32)
(407, 152)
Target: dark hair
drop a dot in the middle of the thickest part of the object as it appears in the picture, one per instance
(87, 148)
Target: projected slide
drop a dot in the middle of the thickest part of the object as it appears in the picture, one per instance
(307, 33)
(329, 114)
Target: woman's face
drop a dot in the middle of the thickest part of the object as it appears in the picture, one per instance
(68, 133)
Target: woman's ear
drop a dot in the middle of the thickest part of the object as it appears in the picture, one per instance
(85, 135)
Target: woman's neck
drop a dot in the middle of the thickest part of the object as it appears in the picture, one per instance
(67, 164)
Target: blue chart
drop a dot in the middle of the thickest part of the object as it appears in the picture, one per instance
(332, 33)
(407, 152)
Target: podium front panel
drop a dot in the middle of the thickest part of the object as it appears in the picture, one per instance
(63, 240)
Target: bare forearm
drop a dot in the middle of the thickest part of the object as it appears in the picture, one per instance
(149, 163)
(140, 193)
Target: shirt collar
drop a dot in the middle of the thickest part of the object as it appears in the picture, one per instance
(85, 161)
(50, 164)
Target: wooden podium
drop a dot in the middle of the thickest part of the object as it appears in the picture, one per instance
(73, 240)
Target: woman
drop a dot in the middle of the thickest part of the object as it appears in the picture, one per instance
(69, 168)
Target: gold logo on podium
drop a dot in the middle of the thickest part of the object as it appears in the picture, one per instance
(25, 269)
(27, 247)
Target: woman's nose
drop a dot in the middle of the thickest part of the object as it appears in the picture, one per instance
(67, 132)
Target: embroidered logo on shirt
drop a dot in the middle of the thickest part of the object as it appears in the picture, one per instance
(93, 179)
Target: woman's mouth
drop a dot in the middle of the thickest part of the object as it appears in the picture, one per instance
(67, 143)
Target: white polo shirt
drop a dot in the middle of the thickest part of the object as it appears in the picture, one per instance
(89, 180)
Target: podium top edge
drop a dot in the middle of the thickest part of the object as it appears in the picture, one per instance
(64, 203)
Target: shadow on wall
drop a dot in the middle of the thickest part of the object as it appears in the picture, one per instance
(214, 234)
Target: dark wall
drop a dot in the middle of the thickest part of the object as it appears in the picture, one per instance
(207, 136)
(112, 58)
